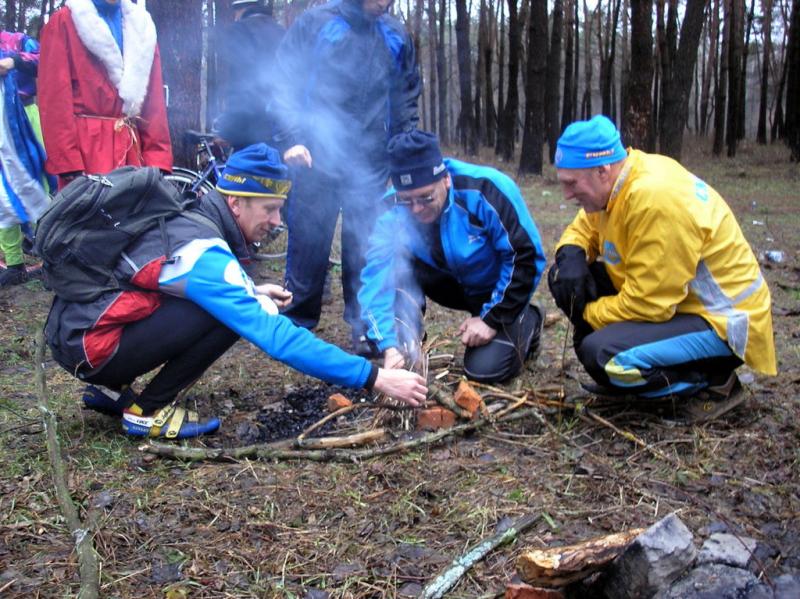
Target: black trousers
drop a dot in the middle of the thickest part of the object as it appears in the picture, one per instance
(498, 360)
(653, 359)
(313, 209)
(179, 335)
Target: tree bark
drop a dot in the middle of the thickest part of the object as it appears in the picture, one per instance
(480, 73)
(551, 94)
(677, 84)
(568, 107)
(432, 74)
(588, 23)
(607, 49)
(488, 89)
(638, 113)
(10, 16)
(508, 116)
(721, 95)
(466, 119)
(792, 124)
(710, 71)
(178, 23)
(735, 50)
(763, 107)
(441, 74)
(534, 132)
(741, 123)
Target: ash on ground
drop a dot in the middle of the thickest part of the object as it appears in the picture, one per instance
(300, 409)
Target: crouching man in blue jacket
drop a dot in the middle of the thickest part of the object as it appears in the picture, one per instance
(183, 314)
(461, 235)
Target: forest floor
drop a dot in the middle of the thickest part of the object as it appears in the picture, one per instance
(383, 527)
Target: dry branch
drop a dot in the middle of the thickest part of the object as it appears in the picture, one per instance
(84, 547)
(558, 566)
(591, 416)
(370, 436)
(282, 450)
(450, 577)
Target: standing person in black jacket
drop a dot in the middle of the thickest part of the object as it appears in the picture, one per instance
(348, 82)
(246, 52)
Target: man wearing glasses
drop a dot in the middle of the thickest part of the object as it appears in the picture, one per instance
(461, 235)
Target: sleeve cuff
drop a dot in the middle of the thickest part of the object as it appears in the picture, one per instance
(373, 376)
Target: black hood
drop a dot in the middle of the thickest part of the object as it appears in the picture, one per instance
(214, 207)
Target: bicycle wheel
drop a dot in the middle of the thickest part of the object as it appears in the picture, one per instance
(184, 180)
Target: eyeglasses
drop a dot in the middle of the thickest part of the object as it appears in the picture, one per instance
(409, 202)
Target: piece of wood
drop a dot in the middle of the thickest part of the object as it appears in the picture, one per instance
(526, 591)
(354, 440)
(88, 568)
(450, 577)
(558, 566)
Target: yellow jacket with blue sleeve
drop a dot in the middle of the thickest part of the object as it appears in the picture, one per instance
(671, 245)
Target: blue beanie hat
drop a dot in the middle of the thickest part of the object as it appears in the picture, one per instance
(415, 160)
(585, 144)
(255, 171)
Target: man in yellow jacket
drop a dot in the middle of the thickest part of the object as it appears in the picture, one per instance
(664, 291)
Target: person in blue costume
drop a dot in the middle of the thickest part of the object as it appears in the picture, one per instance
(183, 314)
(461, 235)
(347, 82)
(23, 192)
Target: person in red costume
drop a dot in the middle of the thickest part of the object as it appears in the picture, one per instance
(101, 96)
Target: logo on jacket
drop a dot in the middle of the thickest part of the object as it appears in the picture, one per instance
(610, 253)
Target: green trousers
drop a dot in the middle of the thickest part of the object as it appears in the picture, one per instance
(11, 237)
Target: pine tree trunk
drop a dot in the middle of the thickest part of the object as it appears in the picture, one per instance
(432, 75)
(676, 89)
(441, 74)
(568, 108)
(734, 76)
(480, 71)
(10, 16)
(721, 95)
(551, 95)
(488, 100)
(638, 113)
(608, 62)
(711, 66)
(741, 123)
(536, 81)
(508, 117)
(466, 119)
(766, 9)
(178, 23)
(588, 23)
(792, 124)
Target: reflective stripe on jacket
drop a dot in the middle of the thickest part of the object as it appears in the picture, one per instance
(491, 247)
(671, 245)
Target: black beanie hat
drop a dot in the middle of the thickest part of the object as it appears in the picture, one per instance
(415, 160)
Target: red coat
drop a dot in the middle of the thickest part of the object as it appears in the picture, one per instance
(75, 89)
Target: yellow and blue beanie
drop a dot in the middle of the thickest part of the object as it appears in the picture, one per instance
(585, 144)
(255, 171)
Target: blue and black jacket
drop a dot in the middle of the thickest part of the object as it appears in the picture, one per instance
(490, 245)
(204, 269)
(347, 83)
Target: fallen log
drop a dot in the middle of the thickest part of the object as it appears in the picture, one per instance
(558, 566)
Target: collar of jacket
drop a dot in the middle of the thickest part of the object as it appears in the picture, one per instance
(213, 206)
(353, 13)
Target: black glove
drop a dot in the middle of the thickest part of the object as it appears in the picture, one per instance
(571, 284)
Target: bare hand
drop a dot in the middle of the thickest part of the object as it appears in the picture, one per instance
(297, 156)
(6, 64)
(392, 358)
(276, 293)
(402, 385)
(474, 332)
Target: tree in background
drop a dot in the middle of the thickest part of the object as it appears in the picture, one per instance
(638, 113)
(792, 124)
(551, 93)
(533, 135)
(507, 123)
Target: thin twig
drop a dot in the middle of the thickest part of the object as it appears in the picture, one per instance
(84, 547)
(450, 577)
(282, 450)
(630, 437)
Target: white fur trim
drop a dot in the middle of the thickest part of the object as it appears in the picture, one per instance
(128, 71)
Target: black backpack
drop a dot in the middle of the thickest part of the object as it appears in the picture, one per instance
(83, 233)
